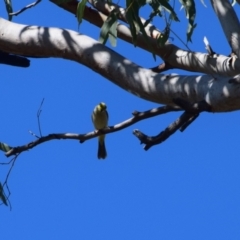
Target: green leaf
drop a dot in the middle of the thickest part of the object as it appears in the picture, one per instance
(135, 23)
(8, 4)
(133, 29)
(168, 7)
(131, 12)
(190, 31)
(4, 147)
(2, 195)
(113, 34)
(109, 28)
(80, 10)
(189, 6)
(153, 14)
(190, 10)
(145, 36)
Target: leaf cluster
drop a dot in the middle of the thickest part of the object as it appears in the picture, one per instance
(160, 8)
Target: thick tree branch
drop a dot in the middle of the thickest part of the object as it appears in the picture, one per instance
(230, 23)
(53, 42)
(137, 116)
(176, 57)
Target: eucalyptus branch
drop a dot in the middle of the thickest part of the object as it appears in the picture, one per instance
(97, 18)
(25, 8)
(164, 135)
(177, 57)
(137, 116)
(187, 123)
(144, 83)
(106, 9)
(229, 22)
(192, 111)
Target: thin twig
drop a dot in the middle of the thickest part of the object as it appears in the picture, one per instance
(2, 163)
(25, 8)
(33, 134)
(10, 169)
(38, 117)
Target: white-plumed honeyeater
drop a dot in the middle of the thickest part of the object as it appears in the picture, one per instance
(100, 121)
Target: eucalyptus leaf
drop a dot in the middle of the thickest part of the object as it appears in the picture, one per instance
(168, 7)
(189, 6)
(4, 147)
(2, 195)
(190, 31)
(113, 34)
(80, 11)
(109, 28)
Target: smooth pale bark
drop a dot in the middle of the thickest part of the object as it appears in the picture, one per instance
(229, 22)
(175, 56)
(61, 43)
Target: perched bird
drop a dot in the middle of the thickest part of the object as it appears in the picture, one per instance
(100, 121)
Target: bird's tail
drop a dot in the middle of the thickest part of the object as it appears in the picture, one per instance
(102, 153)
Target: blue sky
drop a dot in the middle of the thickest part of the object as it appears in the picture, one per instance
(186, 188)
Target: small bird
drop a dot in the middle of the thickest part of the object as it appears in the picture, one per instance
(100, 121)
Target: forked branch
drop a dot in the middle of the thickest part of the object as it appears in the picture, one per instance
(137, 116)
(192, 111)
(177, 57)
